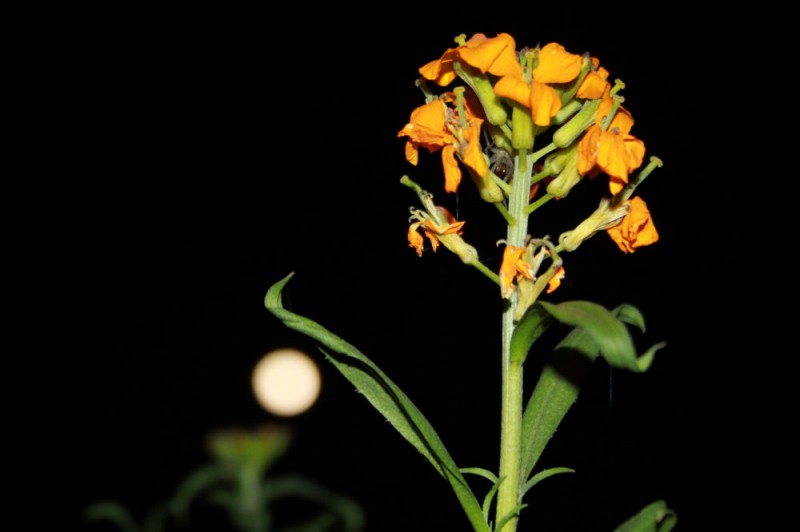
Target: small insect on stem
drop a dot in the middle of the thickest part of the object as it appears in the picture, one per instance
(500, 161)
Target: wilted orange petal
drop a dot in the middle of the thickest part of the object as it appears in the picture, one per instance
(636, 229)
(544, 103)
(415, 239)
(452, 173)
(514, 89)
(556, 65)
(555, 281)
(508, 269)
(618, 155)
(433, 239)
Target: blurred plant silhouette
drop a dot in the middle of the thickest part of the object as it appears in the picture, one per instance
(236, 481)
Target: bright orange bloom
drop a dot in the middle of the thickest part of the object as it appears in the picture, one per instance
(614, 151)
(436, 126)
(432, 230)
(496, 56)
(555, 65)
(636, 229)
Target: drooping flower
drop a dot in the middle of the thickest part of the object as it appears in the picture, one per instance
(613, 150)
(555, 65)
(636, 229)
(513, 264)
(438, 125)
(440, 227)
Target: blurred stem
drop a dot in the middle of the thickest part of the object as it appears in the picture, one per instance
(511, 407)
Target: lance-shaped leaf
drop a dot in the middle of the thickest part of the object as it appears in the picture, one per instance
(655, 517)
(608, 332)
(597, 332)
(385, 396)
(533, 324)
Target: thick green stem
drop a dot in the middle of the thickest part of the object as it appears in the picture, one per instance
(508, 495)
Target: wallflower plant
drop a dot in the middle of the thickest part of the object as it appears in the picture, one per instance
(526, 126)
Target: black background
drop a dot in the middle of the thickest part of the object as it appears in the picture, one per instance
(211, 153)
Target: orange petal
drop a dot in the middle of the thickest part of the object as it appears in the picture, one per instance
(415, 239)
(514, 89)
(452, 173)
(441, 70)
(509, 269)
(595, 85)
(544, 103)
(587, 149)
(473, 155)
(427, 126)
(556, 65)
(497, 55)
(636, 229)
(555, 281)
(412, 152)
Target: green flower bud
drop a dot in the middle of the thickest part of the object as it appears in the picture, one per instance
(567, 178)
(493, 107)
(570, 131)
(522, 132)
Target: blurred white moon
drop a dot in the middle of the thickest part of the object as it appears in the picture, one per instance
(286, 382)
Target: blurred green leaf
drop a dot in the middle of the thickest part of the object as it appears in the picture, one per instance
(385, 396)
(655, 517)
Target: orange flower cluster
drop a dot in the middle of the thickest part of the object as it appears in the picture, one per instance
(515, 97)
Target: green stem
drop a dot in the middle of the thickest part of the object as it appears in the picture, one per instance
(508, 494)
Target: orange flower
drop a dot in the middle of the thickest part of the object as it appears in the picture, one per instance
(431, 230)
(513, 265)
(636, 229)
(436, 126)
(595, 85)
(496, 56)
(555, 65)
(614, 151)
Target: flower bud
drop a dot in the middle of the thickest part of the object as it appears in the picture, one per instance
(522, 134)
(566, 134)
(566, 179)
(493, 107)
(604, 217)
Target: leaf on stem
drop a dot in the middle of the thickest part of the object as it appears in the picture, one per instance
(597, 331)
(385, 396)
(655, 517)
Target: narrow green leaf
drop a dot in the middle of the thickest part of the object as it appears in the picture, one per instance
(481, 472)
(655, 517)
(487, 502)
(554, 394)
(533, 324)
(610, 334)
(598, 332)
(510, 515)
(541, 475)
(385, 396)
